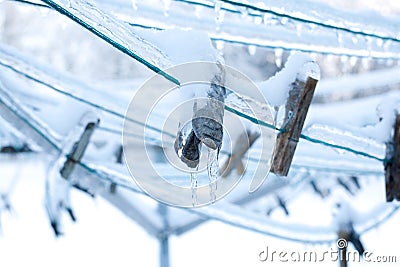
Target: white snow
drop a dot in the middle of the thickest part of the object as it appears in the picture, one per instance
(276, 89)
(182, 46)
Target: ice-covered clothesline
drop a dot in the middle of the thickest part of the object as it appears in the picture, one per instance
(324, 16)
(230, 214)
(10, 61)
(242, 31)
(115, 33)
(254, 35)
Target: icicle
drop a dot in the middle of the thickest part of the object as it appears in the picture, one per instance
(354, 39)
(194, 186)
(369, 41)
(220, 45)
(365, 63)
(299, 29)
(267, 18)
(167, 6)
(284, 21)
(278, 57)
(379, 42)
(314, 56)
(217, 6)
(252, 50)
(219, 17)
(134, 5)
(387, 45)
(213, 172)
(197, 11)
(339, 37)
(353, 61)
(311, 27)
(66, 3)
(258, 20)
(244, 13)
(344, 63)
(389, 62)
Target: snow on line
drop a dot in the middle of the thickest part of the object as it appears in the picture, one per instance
(277, 97)
(275, 36)
(271, 8)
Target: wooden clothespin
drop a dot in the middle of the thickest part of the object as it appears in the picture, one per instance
(78, 150)
(392, 165)
(296, 109)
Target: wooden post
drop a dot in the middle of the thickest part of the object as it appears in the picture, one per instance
(78, 150)
(296, 109)
(392, 165)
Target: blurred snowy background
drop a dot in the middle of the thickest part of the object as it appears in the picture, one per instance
(354, 105)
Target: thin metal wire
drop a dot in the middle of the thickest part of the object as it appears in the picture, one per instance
(82, 100)
(305, 137)
(230, 109)
(117, 45)
(308, 49)
(294, 18)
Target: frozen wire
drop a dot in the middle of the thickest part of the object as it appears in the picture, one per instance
(305, 137)
(107, 177)
(30, 3)
(82, 100)
(117, 45)
(294, 18)
(230, 109)
(244, 42)
(121, 116)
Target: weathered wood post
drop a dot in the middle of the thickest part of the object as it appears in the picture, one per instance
(300, 97)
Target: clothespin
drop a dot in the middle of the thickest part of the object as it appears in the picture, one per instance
(355, 181)
(318, 190)
(84, 190)
(78, 150)
(345, 185)
(207, 123)
(120, 154)
(296, 109)
(242, 145)
(392, 164)
(113, 188)
(282, 204)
